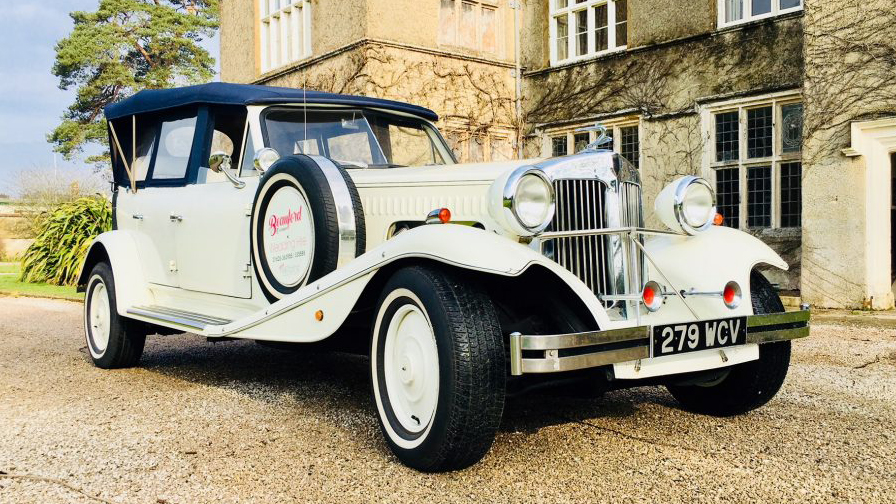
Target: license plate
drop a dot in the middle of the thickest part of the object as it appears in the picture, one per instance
(693, 336)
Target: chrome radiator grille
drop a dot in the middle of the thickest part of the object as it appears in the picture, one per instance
(602, 261)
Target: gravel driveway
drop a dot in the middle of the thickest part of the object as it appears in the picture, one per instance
(236, 422)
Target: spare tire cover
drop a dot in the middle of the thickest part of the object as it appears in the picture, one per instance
(307, 220)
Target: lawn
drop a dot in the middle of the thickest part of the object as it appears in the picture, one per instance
(10, 285)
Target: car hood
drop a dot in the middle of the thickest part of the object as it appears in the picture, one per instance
(468, 173)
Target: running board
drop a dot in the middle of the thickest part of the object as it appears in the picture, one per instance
(179, 317)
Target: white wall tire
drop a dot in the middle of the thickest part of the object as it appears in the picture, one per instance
(112, 340)
(97, 317)
(437, 370)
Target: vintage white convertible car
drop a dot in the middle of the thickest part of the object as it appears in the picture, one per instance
(294, 217)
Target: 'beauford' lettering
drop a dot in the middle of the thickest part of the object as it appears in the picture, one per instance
(282, 222)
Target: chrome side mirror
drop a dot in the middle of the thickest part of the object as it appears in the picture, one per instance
(264, 158)
(220, 162)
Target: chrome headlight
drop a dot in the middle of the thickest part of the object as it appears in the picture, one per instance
(687, 204)
(529, 196)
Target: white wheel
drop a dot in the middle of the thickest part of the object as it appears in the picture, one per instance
(437, 369)
(411, 366)
(98, 318)
(112, 340)
(410, 369)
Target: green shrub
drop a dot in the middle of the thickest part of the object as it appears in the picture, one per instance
(64, 235)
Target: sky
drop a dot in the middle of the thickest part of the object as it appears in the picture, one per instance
(31, 102)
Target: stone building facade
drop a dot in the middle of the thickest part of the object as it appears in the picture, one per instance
(787, 106)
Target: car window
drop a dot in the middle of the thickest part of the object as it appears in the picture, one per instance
(175, 145)
(410, 145)
(146, 139)
(352, 147)
(247, 168)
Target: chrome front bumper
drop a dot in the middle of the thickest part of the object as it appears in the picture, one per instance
(568, 352)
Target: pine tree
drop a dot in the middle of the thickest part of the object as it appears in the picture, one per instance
(121, 48)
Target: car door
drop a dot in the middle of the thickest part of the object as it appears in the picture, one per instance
(212, 234)
(164, 144)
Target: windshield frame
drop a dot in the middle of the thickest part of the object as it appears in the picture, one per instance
(439, 142)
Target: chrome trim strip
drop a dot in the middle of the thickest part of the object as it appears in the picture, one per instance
(174, 316)
(607, 231)
(779, 335)
(558, 364)
(767, 319)
(551, 344)
(575, 340)
(345, 214)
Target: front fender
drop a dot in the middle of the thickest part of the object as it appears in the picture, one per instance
(706, 262)
(119, 249)
(336, 293)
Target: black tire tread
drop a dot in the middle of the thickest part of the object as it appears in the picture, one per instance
(749, 385)
(127, 337)
(478, 373)
(479, 376)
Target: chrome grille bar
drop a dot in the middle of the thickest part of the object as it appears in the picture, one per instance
(581, 209)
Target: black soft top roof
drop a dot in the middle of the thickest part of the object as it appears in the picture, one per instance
(219, 93)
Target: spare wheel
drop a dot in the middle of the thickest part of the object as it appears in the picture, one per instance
(307, 221)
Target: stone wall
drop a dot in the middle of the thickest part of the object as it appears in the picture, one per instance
(850, 55)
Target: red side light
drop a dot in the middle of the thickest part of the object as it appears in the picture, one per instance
(652, 296)
(731, 295)
(444, 215)
(649, 296)
(728, 294)
(718, 220)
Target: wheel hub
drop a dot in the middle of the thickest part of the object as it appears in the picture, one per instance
(410, 361)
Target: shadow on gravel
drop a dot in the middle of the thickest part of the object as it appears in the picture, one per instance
(337, 384)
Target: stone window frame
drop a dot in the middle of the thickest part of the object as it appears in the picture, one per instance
(293, 39)
(747, 17)
(479, 6)
(613, 129)
(569, 12)
(708, 113)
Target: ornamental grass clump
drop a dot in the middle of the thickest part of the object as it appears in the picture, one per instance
(63, 236)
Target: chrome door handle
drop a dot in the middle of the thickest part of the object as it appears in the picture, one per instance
(137, 216)
(176, 218)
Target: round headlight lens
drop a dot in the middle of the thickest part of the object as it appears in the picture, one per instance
(698, 205)
(533, 201)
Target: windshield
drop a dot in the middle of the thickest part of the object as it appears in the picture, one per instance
(353, 138)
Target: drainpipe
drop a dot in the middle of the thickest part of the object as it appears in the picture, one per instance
(515, 5)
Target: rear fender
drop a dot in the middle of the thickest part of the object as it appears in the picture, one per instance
(119, 249)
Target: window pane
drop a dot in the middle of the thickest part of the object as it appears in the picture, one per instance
(581, 32)
(728, 195)
(558, 146)
(247, 168)
(487, 32)
(761, 7)
(600, 28)
(727, 141)
(792, 127)
(629, 144)
(759, 196)
(580, 141)
(561, 4)
(447, 22)
(791, 194)
(467, 34)
(621, 23)
(789, 4)
(562, 37)
(175, 144)
(734, 10)
(759, 132)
